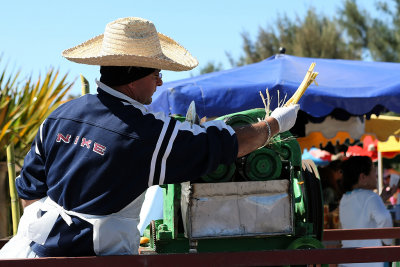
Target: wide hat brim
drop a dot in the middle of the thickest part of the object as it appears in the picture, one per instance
(172, 57)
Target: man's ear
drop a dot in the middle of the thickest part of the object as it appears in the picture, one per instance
(131, 85)
(361, 178)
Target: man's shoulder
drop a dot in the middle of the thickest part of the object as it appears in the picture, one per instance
(367, 193)
(359, 195)
(74, 105)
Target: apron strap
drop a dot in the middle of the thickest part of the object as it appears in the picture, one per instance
(113, 234)
(39, 230)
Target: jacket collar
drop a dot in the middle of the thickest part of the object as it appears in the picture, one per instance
(120, 95)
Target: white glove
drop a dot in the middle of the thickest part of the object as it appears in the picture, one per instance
(286, 116)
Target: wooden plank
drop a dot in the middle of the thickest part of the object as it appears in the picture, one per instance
(256, 258)
(253, 258)
(355, 234)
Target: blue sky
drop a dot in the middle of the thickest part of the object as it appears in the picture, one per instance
(34, 33)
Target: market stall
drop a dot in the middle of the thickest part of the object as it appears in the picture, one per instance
(380, 131)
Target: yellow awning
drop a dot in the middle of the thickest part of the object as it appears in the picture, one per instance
(391, 145)
(383, 126)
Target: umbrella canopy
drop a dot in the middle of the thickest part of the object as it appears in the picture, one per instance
(345, 88)
(369, 149)
(320, 157)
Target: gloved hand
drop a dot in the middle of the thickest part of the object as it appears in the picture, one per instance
(286, 116)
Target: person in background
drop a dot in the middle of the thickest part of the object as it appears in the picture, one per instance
(83, 181)
(391, 176)
(360, 206)
(331, 179)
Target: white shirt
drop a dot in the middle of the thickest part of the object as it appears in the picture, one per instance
(363, 208)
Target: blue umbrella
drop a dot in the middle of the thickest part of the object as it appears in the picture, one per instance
(350, 86)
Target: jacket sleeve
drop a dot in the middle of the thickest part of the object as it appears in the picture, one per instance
(31, 184)
(191, 151)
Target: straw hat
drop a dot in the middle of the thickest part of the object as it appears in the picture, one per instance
(132, 42)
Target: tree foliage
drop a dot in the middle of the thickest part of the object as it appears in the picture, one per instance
(211, 67)
(380, 35)
(354, 34)
(312, 36)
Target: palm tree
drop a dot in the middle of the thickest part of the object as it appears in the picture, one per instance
(24, 106)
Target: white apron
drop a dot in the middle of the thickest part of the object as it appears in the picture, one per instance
(113, 234)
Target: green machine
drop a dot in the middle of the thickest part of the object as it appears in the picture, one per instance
(268, 199)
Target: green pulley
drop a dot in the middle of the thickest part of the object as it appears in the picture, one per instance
(262, 164)
(239, 120)
(285, 152)
(305, 243)
(223, 173)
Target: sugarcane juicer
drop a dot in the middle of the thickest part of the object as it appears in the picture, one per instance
(268, 199)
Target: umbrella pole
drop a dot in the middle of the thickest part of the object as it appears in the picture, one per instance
(380, 172)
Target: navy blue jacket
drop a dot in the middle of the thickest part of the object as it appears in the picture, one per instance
(97, 153)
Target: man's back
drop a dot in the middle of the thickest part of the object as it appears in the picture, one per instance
(98, 153)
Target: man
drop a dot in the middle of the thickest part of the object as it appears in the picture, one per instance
(83, 180)
(360, 206)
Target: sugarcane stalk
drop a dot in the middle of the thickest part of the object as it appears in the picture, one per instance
(15, 209)
(308, 79)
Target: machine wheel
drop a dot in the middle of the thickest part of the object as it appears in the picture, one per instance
(262, 164)
(315, 202)
(239, 120)
(223, 173)
(305, 243)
